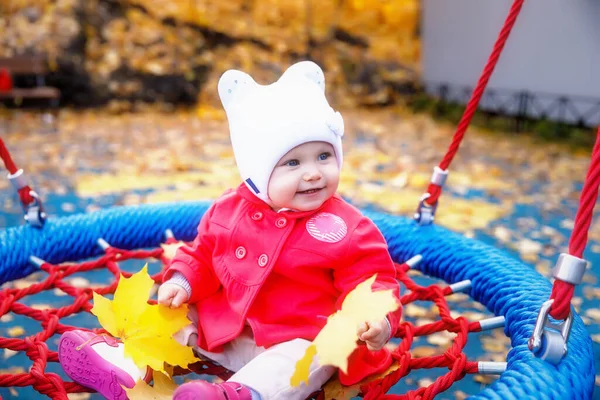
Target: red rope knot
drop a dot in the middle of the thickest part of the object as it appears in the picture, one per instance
(443, 383)
(36, 351)
(52, 386)
(49, 323)
(461, 338)
(114, 253)
(404, 369)
(373, 392)
(81, 303)
(413, 395)
(450, 355)
(437, 296)
(6, 303)
(459, 367)
(45, 383)
(407, 341)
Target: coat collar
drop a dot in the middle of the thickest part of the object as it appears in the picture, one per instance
(247, 195)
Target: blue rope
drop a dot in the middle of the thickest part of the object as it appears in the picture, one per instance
(503, 284)
(75, 238)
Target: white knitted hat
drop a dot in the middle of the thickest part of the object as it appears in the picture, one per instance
(267, 121)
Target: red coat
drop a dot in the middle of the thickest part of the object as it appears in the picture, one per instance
(281, 273)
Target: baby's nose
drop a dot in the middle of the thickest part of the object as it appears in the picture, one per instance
(312, 175)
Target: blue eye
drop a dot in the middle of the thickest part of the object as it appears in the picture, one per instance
(324, 156)
(292, 163)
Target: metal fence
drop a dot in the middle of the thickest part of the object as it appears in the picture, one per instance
(524, 105)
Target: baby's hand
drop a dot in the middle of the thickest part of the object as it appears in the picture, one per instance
(374, 334)
(171, 295)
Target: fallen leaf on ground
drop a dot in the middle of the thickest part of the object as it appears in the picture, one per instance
(171, 249)
(8, 353)
(334, 390)
(16, 331)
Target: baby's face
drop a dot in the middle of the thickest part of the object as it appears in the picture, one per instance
(305, 177)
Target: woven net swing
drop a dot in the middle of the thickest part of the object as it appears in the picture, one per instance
(109, 241)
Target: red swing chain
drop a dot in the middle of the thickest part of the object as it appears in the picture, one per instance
(428, 203)
(30, 201)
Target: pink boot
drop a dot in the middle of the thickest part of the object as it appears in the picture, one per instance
(201, 390)
(98, 362)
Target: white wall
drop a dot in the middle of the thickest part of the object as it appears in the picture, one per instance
(554, 47)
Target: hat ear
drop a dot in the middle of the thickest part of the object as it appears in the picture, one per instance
(336, 123)
(232, 83)
(305, 69)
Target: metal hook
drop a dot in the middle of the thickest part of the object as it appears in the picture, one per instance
(34, 212)
(425, 213)
(549, 339)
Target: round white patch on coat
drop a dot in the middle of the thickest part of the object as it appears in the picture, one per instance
(326, 227)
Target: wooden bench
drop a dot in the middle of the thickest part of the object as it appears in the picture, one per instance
(30, 65)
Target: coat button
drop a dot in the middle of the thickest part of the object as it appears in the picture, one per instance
(263, 260)
(257, 216)
(281, 222)
(240, 252)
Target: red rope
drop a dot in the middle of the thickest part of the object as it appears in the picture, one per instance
(453, 359)
(51, 385)
(562, 292)
(8, 162)
(435, 190)
(24, 192)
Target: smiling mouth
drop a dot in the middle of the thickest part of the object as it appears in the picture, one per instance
(310, 191)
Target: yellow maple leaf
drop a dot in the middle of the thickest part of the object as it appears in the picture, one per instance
(338, 339)
(162, 389)
(146, 330)
(171, 248)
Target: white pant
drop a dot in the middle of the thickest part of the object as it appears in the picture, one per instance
(266, 371)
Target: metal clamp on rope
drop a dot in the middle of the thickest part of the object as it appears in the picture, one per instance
(425, 213)
(34, 212)
(18, 180)
(569, 269)
(549, 339)
(439, 176)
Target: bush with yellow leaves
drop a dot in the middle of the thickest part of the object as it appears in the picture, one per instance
(174, 50)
